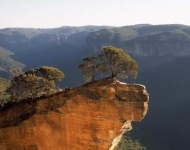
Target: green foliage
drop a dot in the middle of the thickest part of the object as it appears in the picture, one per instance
(51, 73)
(128, 143)
(14, 73)
(113, 61)
(33, 83)
(88, 68)
(4, 97)
(116, 62)
(25, 86)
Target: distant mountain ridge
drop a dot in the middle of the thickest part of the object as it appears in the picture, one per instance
(149, 40)
(21, 39)
(22, 42)
(139, 40)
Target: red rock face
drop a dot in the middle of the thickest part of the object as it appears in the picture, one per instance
(86, 117)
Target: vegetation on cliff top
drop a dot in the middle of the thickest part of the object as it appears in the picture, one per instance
(4, 96)
(88, 68)
(113, 62)
(31, 84)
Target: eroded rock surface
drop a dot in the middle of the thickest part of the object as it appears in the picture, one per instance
(87, 117)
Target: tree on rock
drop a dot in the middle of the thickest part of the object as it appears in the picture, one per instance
(4, 97)
(88, 68)
(51, 74)
(1, 87)
(32, 83)
(25, 86)
(116, 62)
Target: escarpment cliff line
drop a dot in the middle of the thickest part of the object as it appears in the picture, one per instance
(87, 117)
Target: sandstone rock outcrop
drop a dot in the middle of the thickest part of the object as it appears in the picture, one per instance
(86, 117)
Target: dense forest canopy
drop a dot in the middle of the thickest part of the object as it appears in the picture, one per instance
(29, 85)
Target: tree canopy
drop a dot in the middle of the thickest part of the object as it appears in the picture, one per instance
(34, 82)
(88, 68)
(116, 62)
(51, 73)
(113, 62)
(4, 97)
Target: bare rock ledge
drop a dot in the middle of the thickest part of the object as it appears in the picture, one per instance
(92, 116)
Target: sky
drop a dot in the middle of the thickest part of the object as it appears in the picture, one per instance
(57, 13)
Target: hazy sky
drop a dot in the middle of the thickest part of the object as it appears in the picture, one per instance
(57, 13)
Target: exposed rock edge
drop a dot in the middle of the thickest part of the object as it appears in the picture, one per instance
(86, 117)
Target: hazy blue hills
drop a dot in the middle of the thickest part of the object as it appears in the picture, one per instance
(6, 62)
(20, 39)
(141, 40)
(148, 40)
(26, 43)
(28, 32)
(72, 29)
(31, 32)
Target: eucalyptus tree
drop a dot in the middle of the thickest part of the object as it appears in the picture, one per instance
(51, 74)
(32, 83)
(4, 97)
(88, 68)
(117, 63)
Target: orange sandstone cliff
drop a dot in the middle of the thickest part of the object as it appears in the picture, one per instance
(89, 117)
